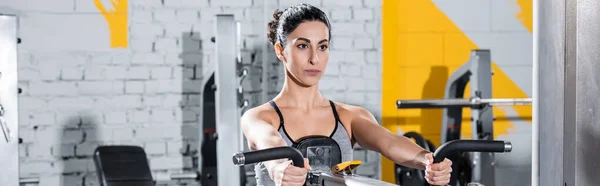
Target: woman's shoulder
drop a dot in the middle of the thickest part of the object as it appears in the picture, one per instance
(261, 112)
(350, 110)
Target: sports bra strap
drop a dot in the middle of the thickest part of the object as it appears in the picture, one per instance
(278, 112)
(335, 114)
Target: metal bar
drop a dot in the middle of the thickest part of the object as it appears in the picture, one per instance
(29, 180)
(9, 149)
(455, 88)
(227, 111)
(550, 97)
(449, 103)
(433, 103)
(182, 176)
(535, 133)
(585, 15)
(331, 179)
(572, 102)
(507, 101)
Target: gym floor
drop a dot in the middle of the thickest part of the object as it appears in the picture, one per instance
(132, 72)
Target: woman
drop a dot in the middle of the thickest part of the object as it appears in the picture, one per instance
(301, 38)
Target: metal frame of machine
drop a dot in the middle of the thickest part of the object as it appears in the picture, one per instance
(228, 78)
(478, 72)
(221, 114)
(9, 115)
(225, 83)
(341, 174)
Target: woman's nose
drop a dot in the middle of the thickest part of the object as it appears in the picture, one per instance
(314, 58)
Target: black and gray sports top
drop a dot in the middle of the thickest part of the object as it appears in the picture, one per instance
(339, 134)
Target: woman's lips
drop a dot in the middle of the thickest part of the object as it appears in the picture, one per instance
(312, 72)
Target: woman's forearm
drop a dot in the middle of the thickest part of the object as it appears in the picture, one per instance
(405, 152)
(271, 141)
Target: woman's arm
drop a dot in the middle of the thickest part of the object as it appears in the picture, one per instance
(261, 134)
(399, 149)
(370, 135)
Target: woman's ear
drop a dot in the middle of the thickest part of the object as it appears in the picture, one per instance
(279, 52)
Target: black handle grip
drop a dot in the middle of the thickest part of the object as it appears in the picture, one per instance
(470, 146)
(243, 158)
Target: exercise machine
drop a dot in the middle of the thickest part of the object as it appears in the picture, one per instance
(9, 96)
(221, 130)
(340, 174)
(9, 116)
(478, 72)
(229, 104)
(223, 104)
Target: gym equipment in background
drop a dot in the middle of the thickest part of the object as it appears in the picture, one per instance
(408, 176)
(9, 112)
(478, 72)
(228, 78)
(223, 104)
(341, 174)
(122, 165)
(208, 148)
(222, 134)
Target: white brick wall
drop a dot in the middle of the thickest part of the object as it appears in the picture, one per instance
(79, 94)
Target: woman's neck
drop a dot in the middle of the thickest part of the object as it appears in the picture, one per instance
(300, 97)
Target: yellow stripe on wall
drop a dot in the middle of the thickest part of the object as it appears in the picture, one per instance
(422, 47)
(525, 15)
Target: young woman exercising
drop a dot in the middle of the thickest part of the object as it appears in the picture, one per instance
(301, 36)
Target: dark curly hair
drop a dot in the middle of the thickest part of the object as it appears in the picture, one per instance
(285, 22)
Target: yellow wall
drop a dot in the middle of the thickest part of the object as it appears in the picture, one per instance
(422, 47)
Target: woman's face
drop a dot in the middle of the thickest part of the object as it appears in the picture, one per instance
(306, 53)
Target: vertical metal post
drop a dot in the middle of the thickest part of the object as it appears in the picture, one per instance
(551, 89)
(9, 116)
(569, 132)
(266, 64)
(455, 88)
(583, 54)
(571, 93)
(535, 133)
(482, 127)
(227, 110)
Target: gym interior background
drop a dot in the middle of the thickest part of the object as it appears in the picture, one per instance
(134, 76)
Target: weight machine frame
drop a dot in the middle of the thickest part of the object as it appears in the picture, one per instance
(478, 72)
(9, 111)
(228, 79)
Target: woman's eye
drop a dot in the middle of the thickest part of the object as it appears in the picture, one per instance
(302, 46)
(323, 47)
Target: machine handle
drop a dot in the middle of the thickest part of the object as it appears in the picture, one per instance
(243, 158)
(470, 146)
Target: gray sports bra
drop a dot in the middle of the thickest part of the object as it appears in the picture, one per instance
(339, 134)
